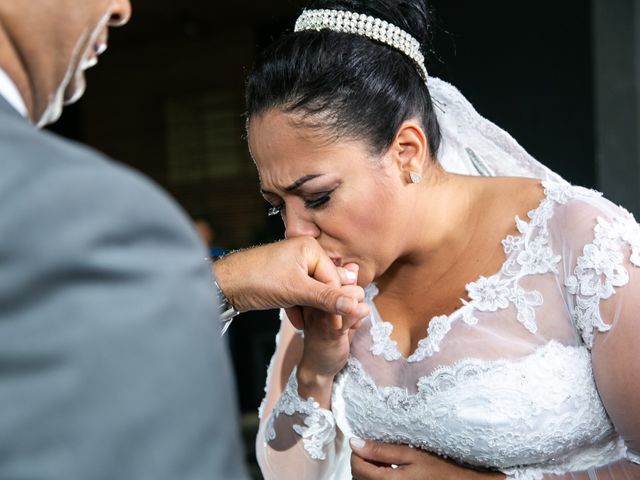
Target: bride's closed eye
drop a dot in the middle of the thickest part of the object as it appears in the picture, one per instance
(318, 200)
(315, 202)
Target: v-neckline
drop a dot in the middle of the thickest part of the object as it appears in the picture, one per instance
(439, 325)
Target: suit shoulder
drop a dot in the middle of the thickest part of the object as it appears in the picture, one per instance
(46, 176)
(22, 144)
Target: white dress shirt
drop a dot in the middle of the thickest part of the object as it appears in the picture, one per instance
(11, 94)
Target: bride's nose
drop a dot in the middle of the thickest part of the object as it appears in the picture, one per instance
(298, 223)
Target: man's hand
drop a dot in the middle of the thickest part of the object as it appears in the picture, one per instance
(290, 273)
(379, 461)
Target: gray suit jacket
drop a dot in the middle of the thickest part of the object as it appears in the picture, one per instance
(111, 362)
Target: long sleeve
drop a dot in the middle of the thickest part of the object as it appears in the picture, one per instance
(297, 438)
(604, 297)
(111, 365)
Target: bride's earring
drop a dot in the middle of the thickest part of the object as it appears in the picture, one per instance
(415, 177)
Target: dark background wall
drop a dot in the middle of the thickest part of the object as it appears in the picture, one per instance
(167, 99)
(527, 66)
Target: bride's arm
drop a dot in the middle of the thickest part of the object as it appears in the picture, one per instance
(297, 436)
(605, 286)
(604, 291)
(604, 297)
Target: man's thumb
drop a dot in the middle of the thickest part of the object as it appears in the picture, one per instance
(330, 299)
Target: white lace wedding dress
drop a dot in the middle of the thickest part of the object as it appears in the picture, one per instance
(537, 374)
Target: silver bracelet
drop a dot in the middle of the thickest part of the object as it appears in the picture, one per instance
(227, 312)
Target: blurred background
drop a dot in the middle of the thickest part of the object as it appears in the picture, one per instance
(167, 99)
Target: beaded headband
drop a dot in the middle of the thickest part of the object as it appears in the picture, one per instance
(364, 25)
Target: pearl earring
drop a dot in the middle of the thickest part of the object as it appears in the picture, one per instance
(415, 177)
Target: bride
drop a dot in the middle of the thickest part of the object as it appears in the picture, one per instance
(504, 301)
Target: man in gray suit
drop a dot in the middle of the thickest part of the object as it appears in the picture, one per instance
(111, 365)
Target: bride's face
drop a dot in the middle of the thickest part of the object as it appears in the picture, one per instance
(335, 191)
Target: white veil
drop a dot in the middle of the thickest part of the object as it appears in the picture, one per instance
(472, 145)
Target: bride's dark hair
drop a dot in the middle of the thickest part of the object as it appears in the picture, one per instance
(345, 84)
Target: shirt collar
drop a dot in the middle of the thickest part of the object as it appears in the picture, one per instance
(11, 94)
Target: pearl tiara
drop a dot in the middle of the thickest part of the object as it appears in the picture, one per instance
(364, 25)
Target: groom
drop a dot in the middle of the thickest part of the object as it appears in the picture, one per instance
(111, 365)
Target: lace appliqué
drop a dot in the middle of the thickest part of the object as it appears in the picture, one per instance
(600, 269)
(382, 343)
(489, 294)
(468, 410)
(528, 254)
(427, 347)
(494, 293)
(319, 428)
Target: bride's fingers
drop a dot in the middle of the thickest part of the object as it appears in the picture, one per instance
(352, 330)
(354, 292)
(354, 267)
(349, 274)
(294, 314)
(351, 301)
(314, 318)
(354, 320)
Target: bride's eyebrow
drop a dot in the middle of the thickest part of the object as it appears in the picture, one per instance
(301, 181)
(295, 185)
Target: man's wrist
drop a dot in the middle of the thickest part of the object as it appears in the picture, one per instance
(223, 271)
(227, 309)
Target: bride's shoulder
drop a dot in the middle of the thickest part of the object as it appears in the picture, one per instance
(579, 203)
(509, 196)
(584, 214)
(515, 188)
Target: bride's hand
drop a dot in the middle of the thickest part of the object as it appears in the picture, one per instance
(327, 340)
(378, 461)
(351, 301)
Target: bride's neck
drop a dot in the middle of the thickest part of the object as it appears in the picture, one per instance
(444, 224)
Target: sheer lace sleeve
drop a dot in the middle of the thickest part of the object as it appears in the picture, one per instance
(603, 294)
(297, 438)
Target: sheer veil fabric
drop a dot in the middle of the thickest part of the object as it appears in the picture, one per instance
(472, 145)
(530, 377)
